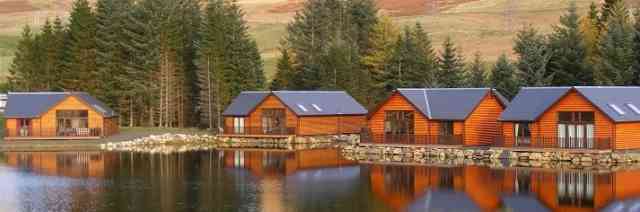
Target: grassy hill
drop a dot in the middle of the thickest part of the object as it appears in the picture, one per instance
(475, 25)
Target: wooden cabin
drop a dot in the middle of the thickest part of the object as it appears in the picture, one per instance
(573, 118)
(57, 115)
(283, 113)
(448, 116)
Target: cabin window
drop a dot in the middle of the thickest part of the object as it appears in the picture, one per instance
(575, 189)
(446, 128)
(273, 121)
(398, 122)
(576, 129)
(24, 127)
(68, 119)
(522, 131)
(238, 125)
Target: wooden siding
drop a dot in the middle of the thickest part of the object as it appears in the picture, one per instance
(481, 127)
(46, 124)
(546, 125)
(422, 126)
(321, 125)
(271, 102)
(627, 135)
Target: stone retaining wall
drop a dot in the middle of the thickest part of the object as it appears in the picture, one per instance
(421, 153)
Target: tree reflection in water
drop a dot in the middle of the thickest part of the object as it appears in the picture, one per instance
(304, 180)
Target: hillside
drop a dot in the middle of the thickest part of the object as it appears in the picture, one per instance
(475, 25)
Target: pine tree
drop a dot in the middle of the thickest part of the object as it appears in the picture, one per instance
(412, 62)
(381, 40)
(80, 73)
(616, 49)
(23, 71)
(284, 71)
(451, 66)
(568, 63)
(636, 47)
(591, 39)
(503, 78)
(533, 57)
(475, 74)
(228, 58)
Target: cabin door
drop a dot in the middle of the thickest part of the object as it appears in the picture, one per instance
(274, 121)
(576, 129)
(398, 126)
(24, 127)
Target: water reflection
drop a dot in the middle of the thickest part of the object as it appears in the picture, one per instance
(304, 180)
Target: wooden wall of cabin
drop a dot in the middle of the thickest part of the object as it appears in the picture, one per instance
(507, 133)
(481, 127)
(396, 102)
(627, 135)
(254, 120)
(111, 126)
(49, 123)
(546, 125)
(331, 125)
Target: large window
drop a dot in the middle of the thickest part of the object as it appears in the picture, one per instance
(398, 122)
(72, 118)
(575, 189)
(73, 122)
(576, 129)
(273, 121)
(446, 128)
(238, 125)
(522, 132)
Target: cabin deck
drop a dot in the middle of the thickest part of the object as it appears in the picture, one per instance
(542, 150)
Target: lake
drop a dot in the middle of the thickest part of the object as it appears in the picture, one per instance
(303, 180)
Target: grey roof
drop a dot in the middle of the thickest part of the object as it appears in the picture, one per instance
(326, 103)
(302, 103)
(524, 203)
(34, 104)
(244, 103)
(447, 103)
(444, 200)
(530, 103)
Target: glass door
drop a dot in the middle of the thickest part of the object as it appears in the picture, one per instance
(273, 121)
(576, 129)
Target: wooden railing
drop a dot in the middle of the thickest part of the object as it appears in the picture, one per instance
(559, 143)
(54, 132)
(259, 131)
(410, 139)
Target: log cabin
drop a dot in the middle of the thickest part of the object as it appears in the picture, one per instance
(441, 116)
(57, 115)
(582, 117)
(302, 113)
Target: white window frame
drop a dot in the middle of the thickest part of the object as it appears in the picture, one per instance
(238, 125)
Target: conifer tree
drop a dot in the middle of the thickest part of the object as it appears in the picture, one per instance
(451, 66)
(284, 72)
(568, 62)
(616, 47)
(503, 78)
(533, 58)
(475, 74)
(80, 72)
(412, 62)
(228, 60)
(23, 71)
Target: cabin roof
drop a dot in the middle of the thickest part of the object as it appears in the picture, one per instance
(302, 103)
(448, 103)
(245, 102)
(444, 200)
(619, 103)
(34, 104)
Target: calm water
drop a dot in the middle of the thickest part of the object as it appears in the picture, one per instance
(309, 180)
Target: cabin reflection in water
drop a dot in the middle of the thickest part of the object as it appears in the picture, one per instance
(470, 188)
(69, 164)
(277, 163)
